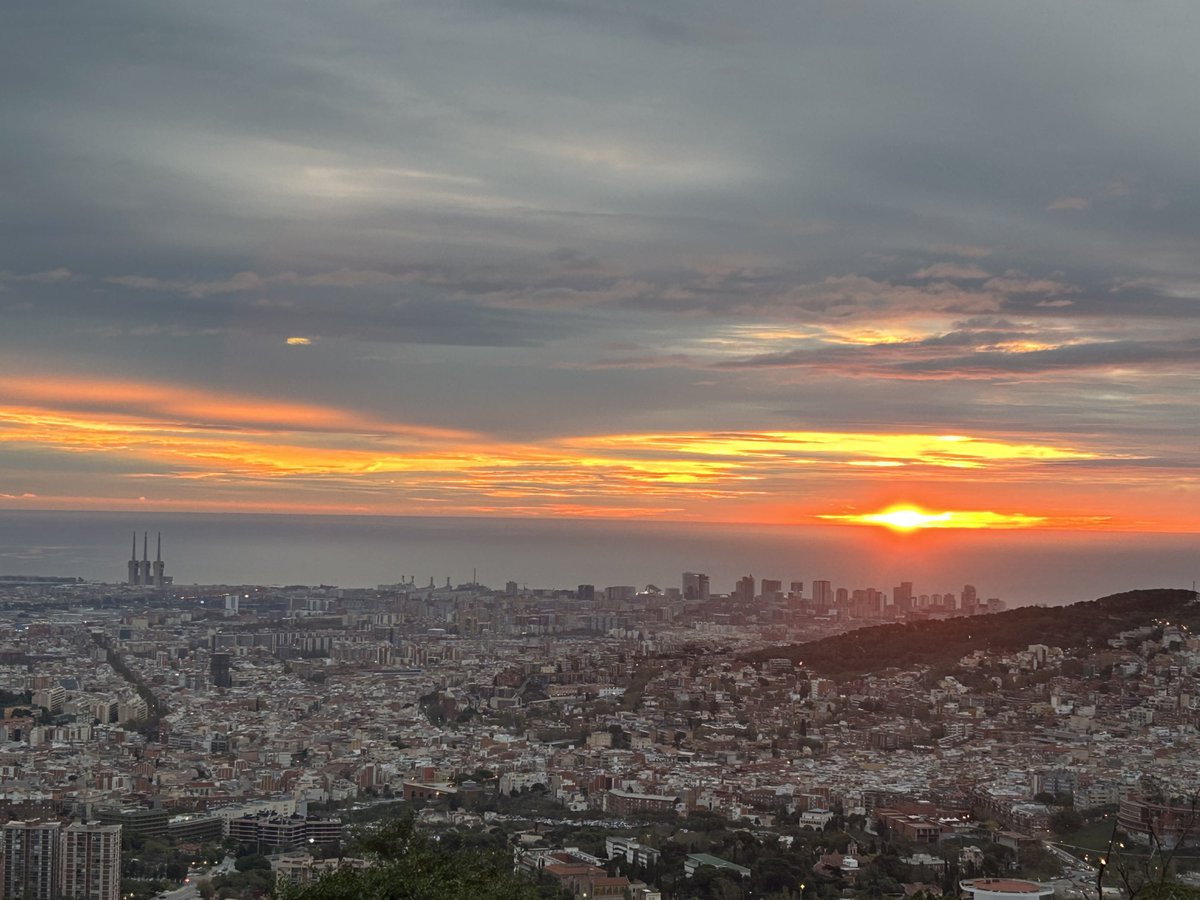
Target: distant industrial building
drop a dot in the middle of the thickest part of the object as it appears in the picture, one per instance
(143, 572)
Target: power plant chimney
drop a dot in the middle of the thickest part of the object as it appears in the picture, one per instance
(133, 562)
(158, 565)
(144, 576)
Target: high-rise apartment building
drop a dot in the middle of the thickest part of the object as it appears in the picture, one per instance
(619, 593)
(970, 598)
(29, 860)
(695, 586)
(91, 861)
(744, 591)
(902, 598)
(219, 670)
(822, 595)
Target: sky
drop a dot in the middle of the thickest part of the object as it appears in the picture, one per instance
(779, 262)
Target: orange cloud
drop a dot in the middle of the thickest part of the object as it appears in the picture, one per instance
(178, 404)
(202, 449)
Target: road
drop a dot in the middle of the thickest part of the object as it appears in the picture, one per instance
(1079, 878)
(188, 890)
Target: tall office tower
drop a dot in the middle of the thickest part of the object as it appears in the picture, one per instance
(796, 589)
(586, 593)
(902, 597)
(619, 593)
(133, 562)
(771, 589)
(822, 595)
(970, 599)
(158, 565)
(744, 590)
(29, 860)
(219, 671)
(511, 588)
(144, 565)
(695, 586)
(878, 600)
(91, 861)
(841, 597)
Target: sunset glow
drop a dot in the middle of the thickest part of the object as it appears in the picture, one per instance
(587, 262)
(911, 518)
(187, 448)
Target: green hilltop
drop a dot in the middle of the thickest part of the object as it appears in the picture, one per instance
(942, 642)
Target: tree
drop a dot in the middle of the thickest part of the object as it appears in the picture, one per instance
(405, 865)
(1064, 821)
(1150, 872)
(251, 861)
(710, 883)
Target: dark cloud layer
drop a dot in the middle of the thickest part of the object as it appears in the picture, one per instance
(548, 216)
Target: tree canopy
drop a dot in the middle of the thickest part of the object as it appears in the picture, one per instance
(408, 865)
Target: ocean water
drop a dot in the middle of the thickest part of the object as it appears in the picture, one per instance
(364, 551)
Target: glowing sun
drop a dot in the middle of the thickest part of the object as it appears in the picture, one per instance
(913, 518)
(908, 518)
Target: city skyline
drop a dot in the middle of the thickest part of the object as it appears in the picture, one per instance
(829, 264)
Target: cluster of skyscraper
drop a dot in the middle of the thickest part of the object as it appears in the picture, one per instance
(825, 598)
(143, 572)
(45, 860)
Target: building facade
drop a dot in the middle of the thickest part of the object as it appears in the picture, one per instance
(91, 861)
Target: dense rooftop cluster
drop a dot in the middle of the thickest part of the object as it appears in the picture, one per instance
(301, 703)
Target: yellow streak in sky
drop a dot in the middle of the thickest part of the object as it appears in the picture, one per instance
(1018, 347)
(956, 451)
(873, 337)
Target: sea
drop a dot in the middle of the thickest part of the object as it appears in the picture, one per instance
(1020, 568)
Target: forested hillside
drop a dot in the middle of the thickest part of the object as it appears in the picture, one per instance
(943, 641)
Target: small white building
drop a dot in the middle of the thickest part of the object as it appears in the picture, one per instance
(816, 819)
(1006, 889)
